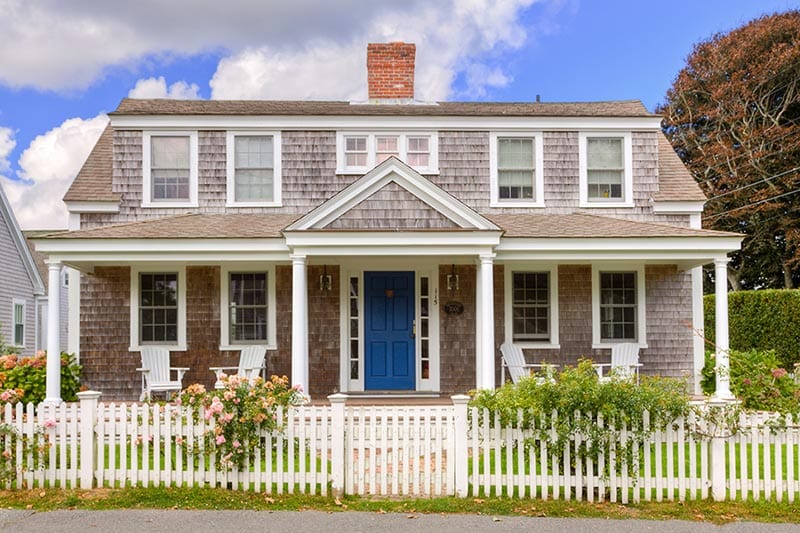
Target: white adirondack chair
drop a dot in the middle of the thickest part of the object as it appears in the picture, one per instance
(251, 364)
(514, 360)
(624, 363)
(156, 372)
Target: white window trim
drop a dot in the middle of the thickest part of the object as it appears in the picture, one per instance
(180, 346)
(225, 317)
(641, 304)
(230, 162)
(433, 160)
(627, 175)
(538, 174)
(552, 269)
(14, 303)
(147, 182)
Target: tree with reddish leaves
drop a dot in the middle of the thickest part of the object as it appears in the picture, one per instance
(733, 116)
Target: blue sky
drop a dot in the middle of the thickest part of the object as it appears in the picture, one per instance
(63, 65)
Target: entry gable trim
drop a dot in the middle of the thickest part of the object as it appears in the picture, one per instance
(392, 170)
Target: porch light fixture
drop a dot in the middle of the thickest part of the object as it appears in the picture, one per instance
(325, 283)
(452, 279)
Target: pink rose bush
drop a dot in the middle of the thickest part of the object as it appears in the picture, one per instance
(238, 415)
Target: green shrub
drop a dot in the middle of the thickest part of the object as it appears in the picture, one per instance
(619, 402)
(761, 320)
(758, 379)
(28, 377)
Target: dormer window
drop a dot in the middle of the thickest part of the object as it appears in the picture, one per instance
(254, 169)
(515, 161)
(605, 170)
(358, 153)
(169, 168)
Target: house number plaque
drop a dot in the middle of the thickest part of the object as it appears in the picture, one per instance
(453, 308)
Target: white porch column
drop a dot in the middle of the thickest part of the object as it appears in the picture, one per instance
(53, 383)
(485, 317)
(299, 323)
(721, 314)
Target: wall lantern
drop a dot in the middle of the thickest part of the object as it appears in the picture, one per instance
(452, 279)
(325, 282)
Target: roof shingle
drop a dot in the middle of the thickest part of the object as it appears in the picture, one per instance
(93, 182)
(675, 182)
(581, 225)
(264, 226)
(621, 108)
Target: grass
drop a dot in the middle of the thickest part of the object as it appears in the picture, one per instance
(219, 499)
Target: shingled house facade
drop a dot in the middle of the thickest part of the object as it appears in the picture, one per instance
(384, 246)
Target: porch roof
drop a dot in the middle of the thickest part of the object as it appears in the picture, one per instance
(583, 225)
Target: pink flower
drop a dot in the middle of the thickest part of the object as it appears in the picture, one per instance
(49, 423)
(746, 381)
(220, 439)
(778, 373)
(236, 444)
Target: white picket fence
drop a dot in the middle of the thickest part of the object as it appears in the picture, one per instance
(400, 451)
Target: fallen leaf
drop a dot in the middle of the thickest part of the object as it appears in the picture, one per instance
(269, 500)
(478, 500)
(338, 502)
(411, 516)
(29, 506)
(497, 519)
(42, 494)
(381, 511)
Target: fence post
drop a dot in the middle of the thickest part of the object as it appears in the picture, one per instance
(460, 444)
(88, 418)
(717, 460)
(337, 443)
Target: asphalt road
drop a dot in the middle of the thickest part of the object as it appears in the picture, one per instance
(150, 521)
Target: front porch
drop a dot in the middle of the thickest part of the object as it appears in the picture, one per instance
(445, 322)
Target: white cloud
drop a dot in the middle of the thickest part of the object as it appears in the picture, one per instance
(157, 88)
(47, 167)
(271, 49)
(54, 45)
(459, 37)
(7, 143)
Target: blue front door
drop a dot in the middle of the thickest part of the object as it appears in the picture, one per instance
(388, 330)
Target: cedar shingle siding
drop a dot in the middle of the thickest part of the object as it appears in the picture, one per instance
(308, 161)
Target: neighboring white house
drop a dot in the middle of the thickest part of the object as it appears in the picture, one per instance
(22, 291)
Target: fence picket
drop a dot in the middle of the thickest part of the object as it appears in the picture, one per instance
(407, 451)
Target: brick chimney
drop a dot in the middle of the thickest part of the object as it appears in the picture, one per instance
(390, 70)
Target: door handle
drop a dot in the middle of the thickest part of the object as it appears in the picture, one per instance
(413, 329)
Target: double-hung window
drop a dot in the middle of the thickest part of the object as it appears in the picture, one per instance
(531, 305)
(18, 335)
(247, 307)
(169, 161)
(254, 169)
(515, 161)
(247, 299)
(618, 306)
(605, 170)
(158, 308)
(359, 152)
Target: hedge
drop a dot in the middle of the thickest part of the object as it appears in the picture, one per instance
(761, 320)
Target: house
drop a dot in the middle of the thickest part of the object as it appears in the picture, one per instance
(386, 245)
(22, 292)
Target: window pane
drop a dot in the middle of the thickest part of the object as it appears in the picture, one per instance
(169, 152)
(253, 151)
(386, 144)
(604, 153)
(355, 144)
(355, 160)
(515, 153)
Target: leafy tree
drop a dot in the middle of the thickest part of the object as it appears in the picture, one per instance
(732, 115)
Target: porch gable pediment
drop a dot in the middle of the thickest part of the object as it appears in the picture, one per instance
(392, 196)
